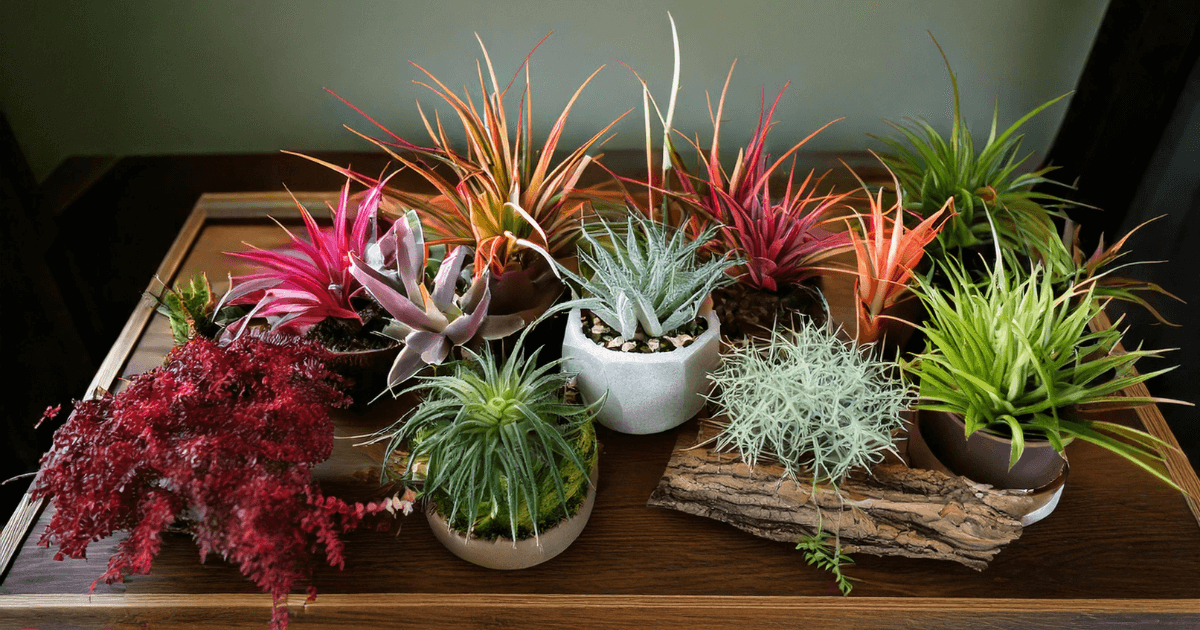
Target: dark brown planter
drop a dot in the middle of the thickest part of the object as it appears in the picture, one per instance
(983, 457)
(367, 369)
(746, 312)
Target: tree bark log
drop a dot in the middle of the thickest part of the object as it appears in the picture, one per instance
(894, 511)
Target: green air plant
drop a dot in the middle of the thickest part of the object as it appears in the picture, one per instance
(495, 445)
(644, 274)
(1012, 355)
(191, 307)
(984, 183)
(815, 405)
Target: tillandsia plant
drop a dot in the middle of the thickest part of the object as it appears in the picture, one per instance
(1097, 269)
(506, 196)
(886, 256)
(430, 323)
(1013, 355)
(645, 277)
(810, 402)
(496, 447)
(815, 405)
(987, 183)
(299, 290)
(228, 432)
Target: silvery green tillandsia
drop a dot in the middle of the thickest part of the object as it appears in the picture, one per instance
(807, 400)
(644, 275)
(812, 403)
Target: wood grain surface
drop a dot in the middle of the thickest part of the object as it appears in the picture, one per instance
(1120, 551)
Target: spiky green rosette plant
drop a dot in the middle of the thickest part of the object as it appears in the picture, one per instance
(1013, 355)
(496, 447)
(815, 405)
(644, 275)
(984, 183)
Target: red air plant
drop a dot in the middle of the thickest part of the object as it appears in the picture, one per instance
(301, 289)
(784, 242)
(506, 197)
(887, 253)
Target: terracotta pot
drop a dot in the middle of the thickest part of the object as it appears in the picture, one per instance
(984, 457)
(503, 553)
(647, 393)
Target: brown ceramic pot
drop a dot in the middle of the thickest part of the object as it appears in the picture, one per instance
(984, 457)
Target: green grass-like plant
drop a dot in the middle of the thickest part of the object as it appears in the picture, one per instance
(810, 402)
(644, 274)
(984, 183)
(495, 442)
(1012, 354)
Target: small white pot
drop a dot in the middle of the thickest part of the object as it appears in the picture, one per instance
(647, 393)
(505, 555)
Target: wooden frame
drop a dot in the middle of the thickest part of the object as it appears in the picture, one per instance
(1174, 604)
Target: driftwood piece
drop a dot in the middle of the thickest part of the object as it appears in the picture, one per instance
(896, 511)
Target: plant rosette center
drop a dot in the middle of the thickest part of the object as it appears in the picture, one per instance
(605, 336)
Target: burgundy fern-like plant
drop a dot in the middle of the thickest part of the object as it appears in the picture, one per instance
(228, 434)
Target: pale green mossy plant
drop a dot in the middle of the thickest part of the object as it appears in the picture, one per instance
(644, 274)
(810, 402)
(1011, 355)
(815, 405)
(495, 443)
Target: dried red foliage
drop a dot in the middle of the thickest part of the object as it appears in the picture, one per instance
(227, 434)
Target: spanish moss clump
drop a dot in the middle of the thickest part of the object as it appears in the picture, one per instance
(810, 402)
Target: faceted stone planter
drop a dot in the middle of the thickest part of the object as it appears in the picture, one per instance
(647, 393)
(505, 555)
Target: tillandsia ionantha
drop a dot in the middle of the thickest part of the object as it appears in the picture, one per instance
(496, 447)
(1013, 356)
(506, 197)
(815, 405)
(887, 255)
(299, 290)
(985, 184)
(429, 322)
(646, 277)
(782, 243)
(192, 309)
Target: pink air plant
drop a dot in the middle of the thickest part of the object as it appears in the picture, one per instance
(312, 282)
(887, 253)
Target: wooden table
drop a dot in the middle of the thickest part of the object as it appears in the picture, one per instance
(1121, 549)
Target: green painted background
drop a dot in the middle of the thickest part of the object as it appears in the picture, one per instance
(157, 77)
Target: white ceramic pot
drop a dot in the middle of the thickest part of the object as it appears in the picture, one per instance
(505, 555)
(647, 393)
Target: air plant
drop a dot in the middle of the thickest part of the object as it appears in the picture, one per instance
(646, 276)
(810, 402)
(298, 290)
(813, 404)
(1012, 355)
(781, 243)
(1095, 269)
(984, 184)
(887, 254)
(497, 448)
(430, 323)
(505, 196)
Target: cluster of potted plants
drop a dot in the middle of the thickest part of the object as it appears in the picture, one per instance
(438, 296)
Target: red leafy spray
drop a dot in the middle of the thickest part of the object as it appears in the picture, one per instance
(229, 433)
